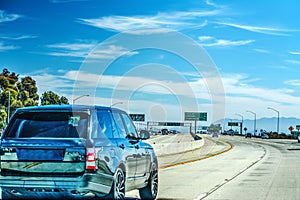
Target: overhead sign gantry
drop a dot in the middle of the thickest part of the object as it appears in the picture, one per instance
(195, 116)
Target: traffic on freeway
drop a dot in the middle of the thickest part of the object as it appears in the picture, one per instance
(215, 167)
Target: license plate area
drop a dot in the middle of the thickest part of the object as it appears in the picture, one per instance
(40, 154)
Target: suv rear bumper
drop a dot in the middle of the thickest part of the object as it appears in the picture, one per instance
(81, 184)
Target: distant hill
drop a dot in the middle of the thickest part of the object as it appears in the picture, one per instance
(268, 124)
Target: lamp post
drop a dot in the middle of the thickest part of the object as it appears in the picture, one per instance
(8, 107)
(254, 121)
(8, 102)
(85, 95)
(241, 123)
(277, 118)
(116, 104)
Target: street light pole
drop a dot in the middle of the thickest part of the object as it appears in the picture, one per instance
(85, 95)
(116, 104)
(8, 107)
(277, 118)
(254, 121)
(242, 122)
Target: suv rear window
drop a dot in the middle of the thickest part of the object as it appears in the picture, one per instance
(49, 124)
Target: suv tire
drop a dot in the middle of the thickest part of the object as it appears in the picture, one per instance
(150, 191)
(118, 188)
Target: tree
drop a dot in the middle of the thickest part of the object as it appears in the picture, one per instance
(9, 91)
(3, 117)
(28, 91)
(16, 94)
(50, 97)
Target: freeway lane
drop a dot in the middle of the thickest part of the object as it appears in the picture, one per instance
(197, 179)
(252, 169)
(276, 176)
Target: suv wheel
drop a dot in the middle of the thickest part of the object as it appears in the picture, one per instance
(150, 191)
(118, 188)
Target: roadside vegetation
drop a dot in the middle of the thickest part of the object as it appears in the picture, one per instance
(16, 92)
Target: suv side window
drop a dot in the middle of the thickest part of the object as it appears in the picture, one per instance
(129, 125)
(103, 125)
(121, 130)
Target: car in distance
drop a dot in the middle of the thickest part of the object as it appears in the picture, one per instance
(164, 131)
(299, 139)
(248, 135)
(215, 134)
(77, 150)
(230, 132)
(264, 136)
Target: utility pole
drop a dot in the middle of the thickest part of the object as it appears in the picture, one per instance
(241, 127)
(85, 95)
(277, 118)
(254, 133)
(8, 107)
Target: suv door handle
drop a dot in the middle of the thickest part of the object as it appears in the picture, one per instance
(122, 146)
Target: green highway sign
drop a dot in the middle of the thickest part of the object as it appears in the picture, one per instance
(233, 124)
(195, 116)
(137, 117)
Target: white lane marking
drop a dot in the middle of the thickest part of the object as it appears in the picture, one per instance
(201, 196)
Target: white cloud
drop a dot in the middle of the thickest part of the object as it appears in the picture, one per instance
(295, 52)
(229, 43)
(161, 21)
(73, 46)
(213, 4)
(4, 47)
(241, 92)
(210, 41)
(293, 82)
(294, 62)
(84, 49)
(237, 86)
(48, 81)
(262, 51)
(205, 38)
(71, 49)
(242, 96)
(260, 29)
(110, 51)
(4, 17)
(143, 84)
(21, 37)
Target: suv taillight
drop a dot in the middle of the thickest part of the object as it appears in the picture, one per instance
(91, 159)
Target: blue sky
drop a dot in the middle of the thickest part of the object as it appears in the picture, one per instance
(65, 45)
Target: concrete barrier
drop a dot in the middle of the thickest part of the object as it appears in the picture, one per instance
(162, 149)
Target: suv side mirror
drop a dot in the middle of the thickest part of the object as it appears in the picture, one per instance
(144, 135)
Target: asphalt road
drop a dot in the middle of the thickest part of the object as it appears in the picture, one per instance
(275, 176)
(247, 169)
(252, 169)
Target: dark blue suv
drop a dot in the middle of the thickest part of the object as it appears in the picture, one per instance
(75, 150)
